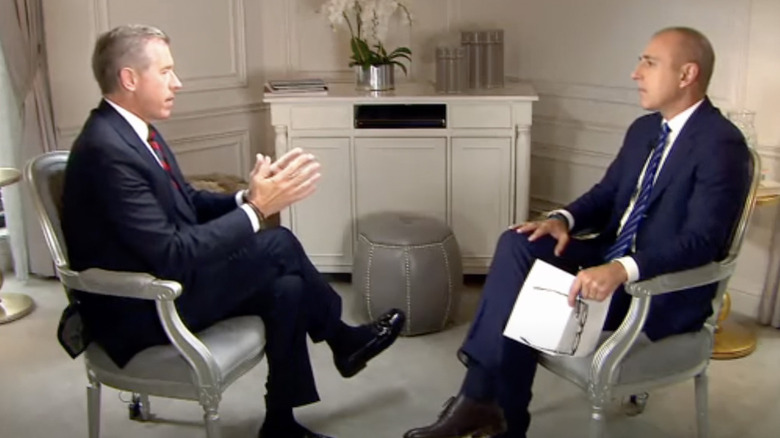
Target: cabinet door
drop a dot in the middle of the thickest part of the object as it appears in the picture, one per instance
(401, 174)
(323, 221)
(481, 197)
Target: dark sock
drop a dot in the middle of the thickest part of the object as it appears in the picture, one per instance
(278, 418)
(479, 384)
(347, 339)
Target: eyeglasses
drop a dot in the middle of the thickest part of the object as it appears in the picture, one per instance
(581, 315)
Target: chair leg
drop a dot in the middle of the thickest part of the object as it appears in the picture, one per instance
(93, 406)
(597, 421)
(702, 408)
(211, 415)
(211, 418)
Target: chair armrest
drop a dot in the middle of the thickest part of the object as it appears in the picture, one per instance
(121, 284)
(611, 353)
(197, 355)
(705, 274)
(144, 286)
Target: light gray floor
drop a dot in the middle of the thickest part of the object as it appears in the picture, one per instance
(42, 390)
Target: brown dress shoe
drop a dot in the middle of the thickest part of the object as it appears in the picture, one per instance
(462, 418)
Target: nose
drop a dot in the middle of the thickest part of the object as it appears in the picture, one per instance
(176, 83)
(635, 75)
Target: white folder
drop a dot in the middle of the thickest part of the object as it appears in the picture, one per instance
(543, 319)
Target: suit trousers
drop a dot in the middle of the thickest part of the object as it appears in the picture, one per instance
(510, 365)
(272, 277)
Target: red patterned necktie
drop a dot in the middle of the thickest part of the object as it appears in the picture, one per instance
(158, 151)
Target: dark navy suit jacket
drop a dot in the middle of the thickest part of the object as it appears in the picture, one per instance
(121, 211)
(696, 199)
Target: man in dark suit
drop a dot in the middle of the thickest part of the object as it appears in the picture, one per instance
(126, 206)
(667, 203)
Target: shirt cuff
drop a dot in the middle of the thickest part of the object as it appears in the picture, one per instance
(250, 213)
(240, 198)
(567, 215)
(632, 269)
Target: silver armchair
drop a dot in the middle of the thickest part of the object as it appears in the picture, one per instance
(193, 367)
(627, 363)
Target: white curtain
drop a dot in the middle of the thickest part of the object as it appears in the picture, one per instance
(10, 135)
(769, 310)
(23, 47)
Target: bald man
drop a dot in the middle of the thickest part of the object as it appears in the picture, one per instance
(667, 203)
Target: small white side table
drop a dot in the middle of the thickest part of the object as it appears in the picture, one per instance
(12, 305)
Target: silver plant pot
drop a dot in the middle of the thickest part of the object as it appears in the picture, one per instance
(375, 77)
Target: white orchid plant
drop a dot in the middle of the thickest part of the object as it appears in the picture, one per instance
(368, 22)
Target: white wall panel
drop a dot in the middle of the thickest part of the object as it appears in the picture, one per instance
(578, 54)
(215, 28)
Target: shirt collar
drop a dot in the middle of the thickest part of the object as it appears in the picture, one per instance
(677, 122)
(139, 126)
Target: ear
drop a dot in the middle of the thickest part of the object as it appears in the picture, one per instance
(689, 73)
(128, 79)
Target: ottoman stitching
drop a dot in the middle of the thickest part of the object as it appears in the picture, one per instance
(408, 291)
(422, 246)
(367, 291)
(449, 283)
(407, 249)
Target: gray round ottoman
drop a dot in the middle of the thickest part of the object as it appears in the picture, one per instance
(411, 263)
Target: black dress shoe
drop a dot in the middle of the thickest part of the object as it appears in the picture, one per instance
(462, 418)
(386, 329)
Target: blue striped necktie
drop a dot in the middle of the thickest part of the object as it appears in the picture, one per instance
(627, 234)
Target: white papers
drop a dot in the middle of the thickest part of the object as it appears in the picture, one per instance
(543, 319)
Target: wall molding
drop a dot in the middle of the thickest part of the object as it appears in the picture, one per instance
(236, 78)
(590, 92)
(580, 125)
(237, 140)
(618, 95)
(772, 152)
(742, 34)
(561, 153)
(254, 107)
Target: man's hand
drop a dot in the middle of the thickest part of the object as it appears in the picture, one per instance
(285, 160)
(597, 283)
(275, 186)
(554, 227)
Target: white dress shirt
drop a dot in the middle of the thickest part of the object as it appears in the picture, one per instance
(141, 128)
(676, 125)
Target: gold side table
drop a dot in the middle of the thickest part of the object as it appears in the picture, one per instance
(733, 340)
(12, 306)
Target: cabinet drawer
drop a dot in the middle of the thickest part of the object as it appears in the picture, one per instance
(321, 117)
(480, 116)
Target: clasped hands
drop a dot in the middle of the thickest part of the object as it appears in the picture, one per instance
(596, 283)
(274, 186)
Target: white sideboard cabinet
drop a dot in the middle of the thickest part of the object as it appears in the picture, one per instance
(463, 158)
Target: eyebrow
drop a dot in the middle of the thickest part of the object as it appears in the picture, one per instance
(647, 58)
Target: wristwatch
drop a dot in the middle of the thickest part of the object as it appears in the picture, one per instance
(560, 217)
(260, 215)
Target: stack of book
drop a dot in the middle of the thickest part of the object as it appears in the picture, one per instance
(297, 87)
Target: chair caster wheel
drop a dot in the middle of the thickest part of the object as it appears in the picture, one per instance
(635, 404)
(138, 410)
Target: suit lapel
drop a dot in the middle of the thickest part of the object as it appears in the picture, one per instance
(182, 205)
(175, 171)
(682, 147)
